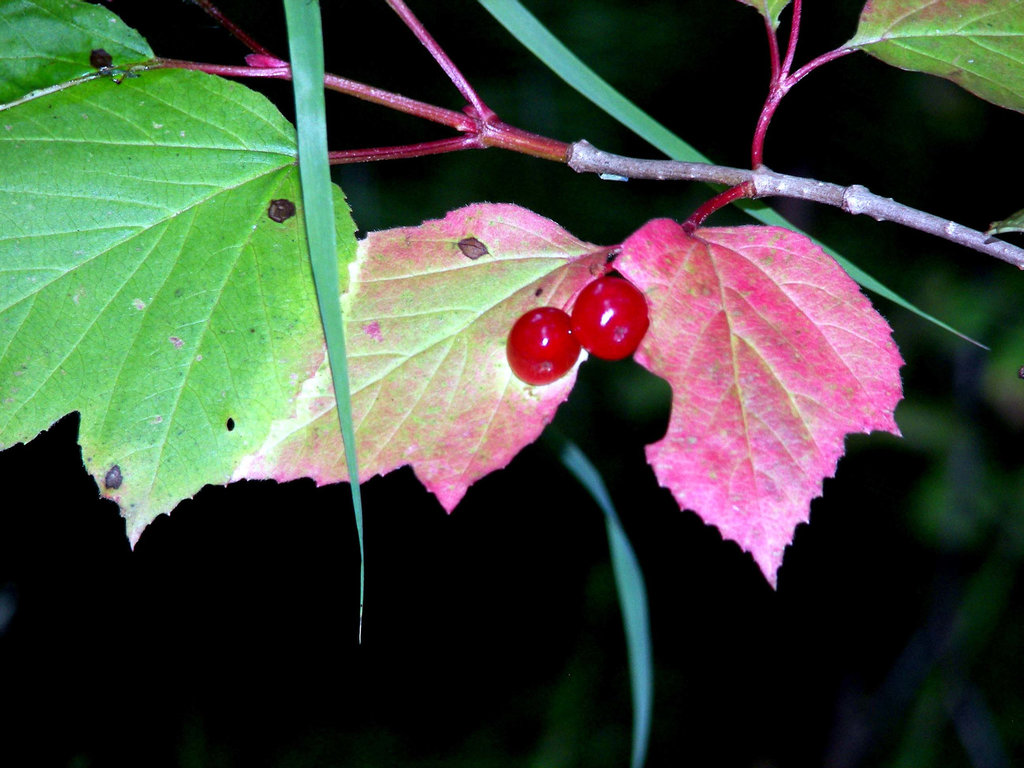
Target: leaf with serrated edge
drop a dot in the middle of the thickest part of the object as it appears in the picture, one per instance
(774, 356)
(770, 9)
(426, 323)
(977, 45)
(144, 284)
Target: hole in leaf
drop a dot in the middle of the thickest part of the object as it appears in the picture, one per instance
(230, 424)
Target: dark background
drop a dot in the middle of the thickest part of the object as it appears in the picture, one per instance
(492, 637)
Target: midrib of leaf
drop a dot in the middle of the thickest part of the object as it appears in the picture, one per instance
(941, 35)
(305, 45)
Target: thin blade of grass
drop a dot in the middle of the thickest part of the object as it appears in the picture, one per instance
(535, 37)
(305, 45)
(632, 593)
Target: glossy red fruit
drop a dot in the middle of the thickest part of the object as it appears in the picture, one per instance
(610, 318)
(541, 347)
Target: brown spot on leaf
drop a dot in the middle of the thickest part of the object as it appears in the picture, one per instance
(230, 424)
(100, 58)
(472, 248)
(538, 292)
(281, 209)
(112, 480)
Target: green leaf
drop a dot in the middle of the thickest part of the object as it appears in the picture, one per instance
(770, 9)
(525, 27)
(979, 46)
(1014, 223)
(45, 43)
(305, 46)
(144, 285)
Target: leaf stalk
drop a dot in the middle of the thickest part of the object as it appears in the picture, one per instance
(783, 79)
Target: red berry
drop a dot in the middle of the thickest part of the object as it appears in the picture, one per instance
(610, 318)
(541, 348)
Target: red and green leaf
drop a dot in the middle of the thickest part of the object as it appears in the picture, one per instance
(774, 356)
(427, 317)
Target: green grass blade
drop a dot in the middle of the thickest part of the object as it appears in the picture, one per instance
(632, 593)
(528, 30)
(305, 45)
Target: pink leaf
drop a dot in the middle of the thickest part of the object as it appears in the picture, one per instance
(427, 317)
(774, 356)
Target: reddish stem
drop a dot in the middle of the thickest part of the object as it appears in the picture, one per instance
(449, 117)
(773, 51)
(794, 34)
(237, 32)
(477, 121)
(403, 151)
(494, 133)
(779, 84)
(783, 80)
(396, 101)
(224, 70)
(771, 103)
(479, 133)
(813, 64)
(444, 61)
(731, 195)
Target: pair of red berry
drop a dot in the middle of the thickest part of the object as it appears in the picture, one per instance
(609, 319)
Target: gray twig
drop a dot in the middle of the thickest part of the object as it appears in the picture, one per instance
(855, 199)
